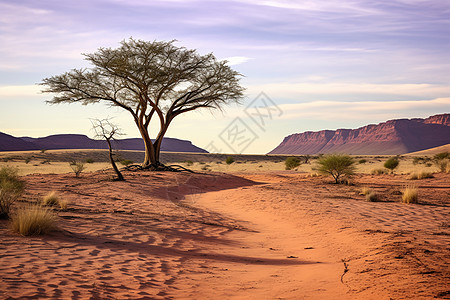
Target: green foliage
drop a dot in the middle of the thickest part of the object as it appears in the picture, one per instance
(229, 160)
(189, 163)
(336, 165)
(77, 167)
(89, 161)
(33, 220)
(11, 188)
(391, 163)
(442, 155)
(292, 162)
(126, 162)
(27, 160)
(362, 161)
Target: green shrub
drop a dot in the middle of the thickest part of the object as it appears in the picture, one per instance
(362, 161)
(442, 155)
(189, 163)
(229, 160)
(11, 188)
(336, 165)
(27, 160)
(292, 162)
(33, 220)
(89, 161)
(391, 163)
(77, 167)
(126, 162)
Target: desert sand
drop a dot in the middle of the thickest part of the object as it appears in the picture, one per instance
(234, 235)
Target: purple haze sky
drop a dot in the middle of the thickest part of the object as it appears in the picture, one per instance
(325, 64)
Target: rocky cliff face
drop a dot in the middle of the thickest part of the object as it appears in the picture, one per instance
(391, 137)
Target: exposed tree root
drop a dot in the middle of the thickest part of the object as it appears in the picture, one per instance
(158, 167)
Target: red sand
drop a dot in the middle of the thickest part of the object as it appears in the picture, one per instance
(243, 236)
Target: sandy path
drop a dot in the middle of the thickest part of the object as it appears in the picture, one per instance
(245, 236)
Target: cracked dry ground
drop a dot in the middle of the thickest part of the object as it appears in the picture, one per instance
(232, 236)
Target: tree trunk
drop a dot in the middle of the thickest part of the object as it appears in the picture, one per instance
(113, 163)
(150, 155)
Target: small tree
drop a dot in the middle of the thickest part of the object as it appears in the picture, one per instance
(106, 130)
(336, 165)
(77, 167)
(391, 164)
(292, 162)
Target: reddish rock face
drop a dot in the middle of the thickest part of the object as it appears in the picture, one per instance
(391, 137)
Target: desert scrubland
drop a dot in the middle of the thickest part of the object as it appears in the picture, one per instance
(245, 230)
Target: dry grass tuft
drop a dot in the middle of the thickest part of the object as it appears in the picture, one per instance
(51, 199)
(410, 194)
(379, 171)
(421, 175)
(365, 191)
(33, 220)
(11, 188)
(372, 197)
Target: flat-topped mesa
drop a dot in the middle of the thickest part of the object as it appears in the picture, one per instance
(392, 137)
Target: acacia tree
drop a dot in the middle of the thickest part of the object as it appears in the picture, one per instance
(149, 80)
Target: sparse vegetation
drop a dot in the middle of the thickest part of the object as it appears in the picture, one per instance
(77, 167)
(378, 171)
(421, 175)
(229, 160)
(11, 187)
(391, 164)
(365, 190)
(27, 160)
(89, 161)
(189, 163)
(292, 162)
(410, 194)
(43, 150)
(372, 197)
(336, 165)
(126, 162)
(441, 160)
(51, 199)
(362, 161)
(33, 220)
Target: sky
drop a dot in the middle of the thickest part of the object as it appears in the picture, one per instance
(307, 65)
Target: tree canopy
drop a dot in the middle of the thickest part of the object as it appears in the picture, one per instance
(149, 79)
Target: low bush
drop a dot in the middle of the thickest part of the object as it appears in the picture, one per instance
(372, 197)
(189, 163)
(11, 188)
(89, 161)
(229, 160)
(77, 167)
(378, 171)
(391, 164)
(362, 161)
(126, 162)
(421, 175)
(410, 194)
(292, 162)
(33, 220)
